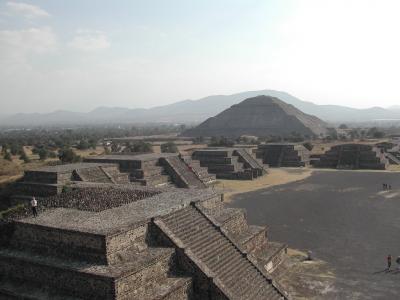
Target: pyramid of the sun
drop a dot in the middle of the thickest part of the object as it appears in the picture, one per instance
(260, 116)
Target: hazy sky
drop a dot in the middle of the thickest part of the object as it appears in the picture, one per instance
(78, 55)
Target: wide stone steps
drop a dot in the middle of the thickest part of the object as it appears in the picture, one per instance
(182, 170)
(393, 159)
(253, 163)
(219, 254)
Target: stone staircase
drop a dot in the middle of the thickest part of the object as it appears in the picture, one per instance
(93, 175)
(201, 172)
(115, 175)
(216, 255)
(392, 159)
(181, 174)
(251, 162)
(151, 173)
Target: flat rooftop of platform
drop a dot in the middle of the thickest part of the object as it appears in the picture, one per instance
(69, 167)
(139, 157)
(119, 219)
(280, 144)
(215, 149)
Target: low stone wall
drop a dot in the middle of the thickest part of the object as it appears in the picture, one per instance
(130, 283)
(59, 243)
(42, 177)
(38, 190)
(236, 223)
(130, 240)
(256, 241)
(65, 280)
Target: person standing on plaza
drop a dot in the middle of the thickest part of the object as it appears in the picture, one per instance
(389, 261)
(34, 206)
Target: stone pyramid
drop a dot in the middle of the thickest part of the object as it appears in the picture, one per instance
(260, 116)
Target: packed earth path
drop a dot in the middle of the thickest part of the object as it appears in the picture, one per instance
(345, 218)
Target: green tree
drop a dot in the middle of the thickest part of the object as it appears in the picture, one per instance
(83, 145)
(7, 156)
(140, 146)
(14, 149)
(68, 156)
(24, 157)
(92, 143)
(343, 126)
(221, 142)
(169, 147)
(43, 154)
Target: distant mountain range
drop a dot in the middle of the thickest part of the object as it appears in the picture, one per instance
(196, 111)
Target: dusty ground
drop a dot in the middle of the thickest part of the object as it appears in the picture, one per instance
(305, 279)
(273, 178)
(345, 219)
(90, 152)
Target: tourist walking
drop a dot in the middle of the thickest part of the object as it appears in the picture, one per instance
(389, 261)
(34, 206)
(398, 263)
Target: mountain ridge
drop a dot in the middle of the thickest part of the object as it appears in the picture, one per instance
(195, 111)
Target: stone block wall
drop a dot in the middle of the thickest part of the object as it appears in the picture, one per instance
(58, 277)
(237, 223)
(58, 242)
(131, 240)
(283, 155)
(353, 156)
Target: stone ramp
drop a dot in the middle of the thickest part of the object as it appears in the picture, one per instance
(201, 172)
(234, 274)
(253, 162)
(181, 173)
(392, 159)
(93, 175)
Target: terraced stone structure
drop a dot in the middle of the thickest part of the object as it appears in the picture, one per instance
(157, 169)
(175, 244)
(353, 156)
(259, 116)
(283, 155)
(51, 180)
(391, 151)
(229, 163)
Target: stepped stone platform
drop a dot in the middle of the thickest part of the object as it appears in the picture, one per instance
(391, 151)
(51, 180)
(283, 155)
(143, 169)
(157, 169)
(201, 172)
(229, 163)
(144, 243)
(183, 175)
(353, 156)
